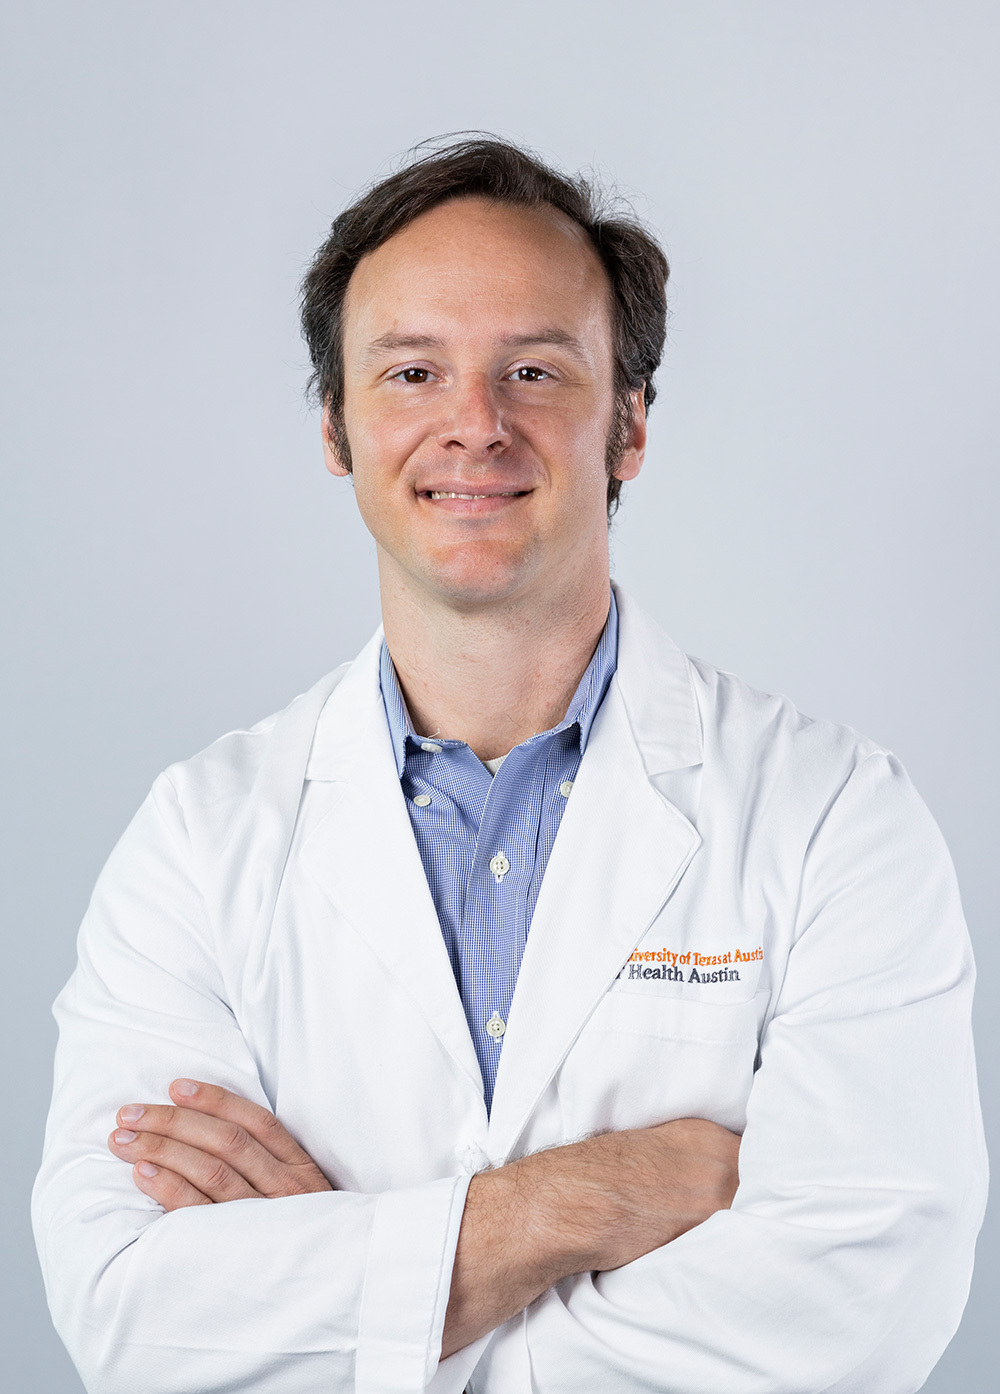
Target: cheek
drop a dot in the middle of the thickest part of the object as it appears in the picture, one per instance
(381, 448)
(583, 435)
(381, 442)
(378, 503)
(385, 433)
(581, 460)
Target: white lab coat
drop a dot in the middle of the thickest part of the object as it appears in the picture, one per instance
(265, 923)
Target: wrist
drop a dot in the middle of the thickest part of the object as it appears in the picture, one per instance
(563, 1213)
(529, 1202)
(505, 1258)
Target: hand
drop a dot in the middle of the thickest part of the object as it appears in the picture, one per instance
(211, 1146)
(585, 1207)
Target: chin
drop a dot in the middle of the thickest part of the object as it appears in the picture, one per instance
(474, 581)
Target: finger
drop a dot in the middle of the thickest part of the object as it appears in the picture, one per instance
(231, 1143)
(208, 1174)
(259, 1122)
(226, 1141)
(166, 1187)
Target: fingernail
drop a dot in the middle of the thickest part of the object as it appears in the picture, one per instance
(146, 1169)
(123, 1136)
(187, 1087)
(131, 1113)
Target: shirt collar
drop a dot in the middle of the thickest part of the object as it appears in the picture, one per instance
(582, 709)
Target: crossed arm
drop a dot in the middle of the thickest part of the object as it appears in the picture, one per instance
(842, 1264)
(585, 1207)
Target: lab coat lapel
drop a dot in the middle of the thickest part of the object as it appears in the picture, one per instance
(365, 859)
(621, 849)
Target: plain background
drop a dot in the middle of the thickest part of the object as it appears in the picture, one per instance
(818, 509)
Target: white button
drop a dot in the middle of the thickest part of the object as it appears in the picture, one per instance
(566, 788)
(471, 1157)
(499, 866)
(422, 800)
(496, 1026)
(431, 748)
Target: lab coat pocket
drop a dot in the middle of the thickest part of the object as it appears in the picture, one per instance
(643, 1059)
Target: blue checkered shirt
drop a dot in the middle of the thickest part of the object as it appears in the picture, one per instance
(485, 840)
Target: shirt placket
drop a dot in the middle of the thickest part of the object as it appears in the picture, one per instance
(493, 924)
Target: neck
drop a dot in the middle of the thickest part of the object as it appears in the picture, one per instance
(491, 676)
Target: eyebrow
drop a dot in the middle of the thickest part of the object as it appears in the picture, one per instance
(391, 343)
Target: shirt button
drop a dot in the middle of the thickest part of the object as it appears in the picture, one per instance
(431, 748)
(566, 788)
(496, 1026)
(499, 866)
(422, 800)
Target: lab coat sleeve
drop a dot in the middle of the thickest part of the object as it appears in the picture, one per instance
(844, 1263)
(336, 1291)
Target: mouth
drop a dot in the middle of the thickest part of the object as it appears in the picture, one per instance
(498, 494)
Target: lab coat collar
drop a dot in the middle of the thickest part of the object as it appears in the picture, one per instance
(657, 686)
(654, 677)
(581, 711)
(363, 856)
(621, 850)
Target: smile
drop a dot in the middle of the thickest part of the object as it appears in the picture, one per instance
(511, 494)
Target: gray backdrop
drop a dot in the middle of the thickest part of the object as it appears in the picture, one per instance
(818, 509)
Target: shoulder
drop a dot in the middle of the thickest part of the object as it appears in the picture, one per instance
(811, 783)
(219, 781)
(685, 711)
(743, 721)
(759, 758)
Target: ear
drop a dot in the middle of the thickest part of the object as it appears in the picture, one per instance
(635, 452)
(331, 454)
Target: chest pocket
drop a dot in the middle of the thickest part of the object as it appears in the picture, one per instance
(643, 1059)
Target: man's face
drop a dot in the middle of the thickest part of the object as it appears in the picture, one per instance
(478, 398)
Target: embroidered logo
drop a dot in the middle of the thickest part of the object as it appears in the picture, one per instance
(691, 966)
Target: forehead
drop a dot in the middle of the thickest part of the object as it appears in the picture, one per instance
(473, 261)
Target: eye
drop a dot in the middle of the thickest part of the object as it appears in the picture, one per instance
(416, 377)
(529, 373)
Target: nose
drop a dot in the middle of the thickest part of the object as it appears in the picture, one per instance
(476, 422)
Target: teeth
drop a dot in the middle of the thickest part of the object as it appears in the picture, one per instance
(509, 495)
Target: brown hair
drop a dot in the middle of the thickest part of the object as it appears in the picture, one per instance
(488, 167)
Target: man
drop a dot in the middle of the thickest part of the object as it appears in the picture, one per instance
(541, 1009)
